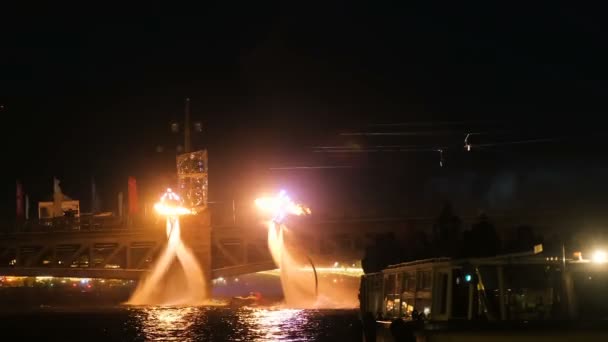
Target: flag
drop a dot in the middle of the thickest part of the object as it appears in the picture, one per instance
(94, 208)
(27, 207)
(132, 193)
(120, 204)
(19, 200)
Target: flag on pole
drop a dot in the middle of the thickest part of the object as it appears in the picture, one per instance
(27, 207)
(19, 196)
(120, 204)
(132, 193)
(94, 204)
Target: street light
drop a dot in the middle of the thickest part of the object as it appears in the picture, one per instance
(186, 127)
(599, 257)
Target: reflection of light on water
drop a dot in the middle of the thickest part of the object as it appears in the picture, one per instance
(168, 323)
(275, 325)
(205, 323)
(191, 324)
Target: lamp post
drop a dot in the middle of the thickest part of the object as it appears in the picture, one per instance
(188, 129)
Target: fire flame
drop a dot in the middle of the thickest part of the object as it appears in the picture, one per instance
(280, 206)
(170, 204)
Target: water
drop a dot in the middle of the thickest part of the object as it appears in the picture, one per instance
(181, 324)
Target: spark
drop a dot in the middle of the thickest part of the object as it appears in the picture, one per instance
(280, 206)
(170, 204)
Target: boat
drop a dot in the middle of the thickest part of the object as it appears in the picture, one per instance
(251, 300)
(517, 297)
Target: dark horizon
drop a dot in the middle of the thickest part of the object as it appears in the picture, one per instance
(93, 96)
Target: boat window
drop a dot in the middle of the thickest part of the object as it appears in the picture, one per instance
(423, 307)
(590, 288)
(488, 291)
(392, 296)
(443, 291)
(389, 284)
(408, 294)
(424, 280)
(422, 303)
(529, 291)
(460, 294)
(409, 279)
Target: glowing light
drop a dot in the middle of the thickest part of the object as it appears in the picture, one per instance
(427, 311)
(468, 278)
(599, 257)
(280, 206)
(170, 204)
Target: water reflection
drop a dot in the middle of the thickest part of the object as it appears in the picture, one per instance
(244, 324)
(168, 323)
(275, 325)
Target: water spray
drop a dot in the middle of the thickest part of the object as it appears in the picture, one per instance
(171, 206)
(279, 208)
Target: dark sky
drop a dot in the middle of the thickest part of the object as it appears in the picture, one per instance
(91, 92)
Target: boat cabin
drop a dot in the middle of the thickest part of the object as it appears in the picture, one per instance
(514, 287)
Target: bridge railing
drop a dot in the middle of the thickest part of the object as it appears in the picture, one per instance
(82, 223)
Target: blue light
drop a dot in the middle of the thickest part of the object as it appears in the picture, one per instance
(468, 278)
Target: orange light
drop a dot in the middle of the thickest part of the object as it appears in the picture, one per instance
(280, 206)
(599, 257)
(170, 204)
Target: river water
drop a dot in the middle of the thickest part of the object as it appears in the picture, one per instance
(123, 323)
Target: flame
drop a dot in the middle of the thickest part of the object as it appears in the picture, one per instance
(280, 206)
(170, 204)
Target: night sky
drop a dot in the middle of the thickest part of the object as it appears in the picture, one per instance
(92, 92)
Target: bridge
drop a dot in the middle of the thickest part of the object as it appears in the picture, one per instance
(126, 251)
(98, 251)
